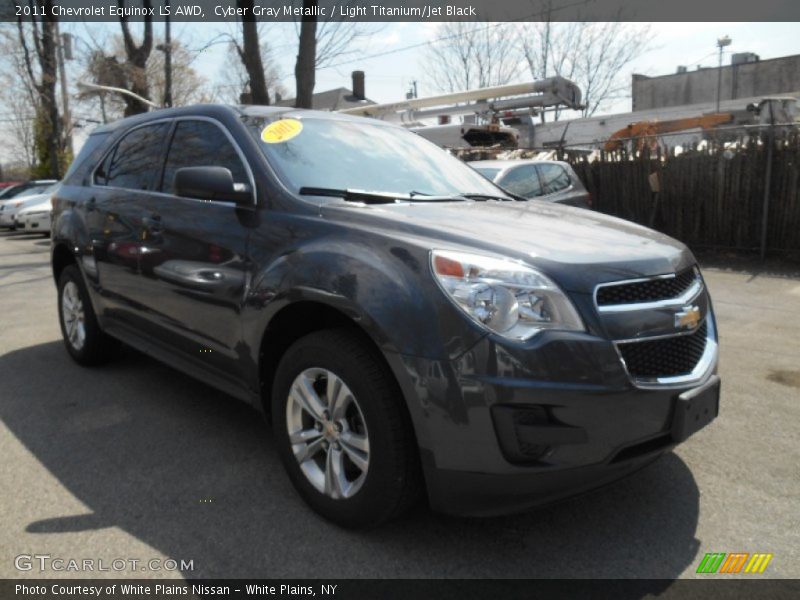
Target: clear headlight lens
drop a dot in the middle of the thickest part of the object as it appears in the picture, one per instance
(507, 297)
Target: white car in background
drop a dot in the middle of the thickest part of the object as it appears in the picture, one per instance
(10, 210)
(35, 218)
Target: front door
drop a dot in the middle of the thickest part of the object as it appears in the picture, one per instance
(194, 281)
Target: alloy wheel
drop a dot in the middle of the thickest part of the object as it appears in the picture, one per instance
(328, 433)
(73, 315)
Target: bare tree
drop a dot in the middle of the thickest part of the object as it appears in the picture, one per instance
(306, 65)
(472, 55)
(593, 55)
(104, 64)
(250, 53)
(187, 85)
(319, 44)
(233, 80)
(50, 142)
(18, 95)
(135, 68)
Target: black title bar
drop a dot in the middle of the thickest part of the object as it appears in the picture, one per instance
(709, 588)
(411, 10)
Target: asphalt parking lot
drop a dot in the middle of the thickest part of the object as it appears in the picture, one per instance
(135, 460)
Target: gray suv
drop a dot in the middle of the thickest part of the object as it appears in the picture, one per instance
(409, 329)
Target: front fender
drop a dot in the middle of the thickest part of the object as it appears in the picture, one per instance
(384, 287)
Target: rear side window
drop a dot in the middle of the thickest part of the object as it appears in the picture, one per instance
(201, 144)
(522, 181)
(89, 154)
(134, 162)
(554, 178)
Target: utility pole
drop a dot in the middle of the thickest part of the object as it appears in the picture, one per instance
(61, 43)
(412, 91)
(721, 43)
(167, 59)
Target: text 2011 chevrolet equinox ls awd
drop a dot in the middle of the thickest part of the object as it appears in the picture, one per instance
(409, 328)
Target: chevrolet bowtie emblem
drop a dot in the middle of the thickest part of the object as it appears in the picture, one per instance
(687, 318)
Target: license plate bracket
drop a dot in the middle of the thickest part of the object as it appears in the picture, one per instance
(695, 409)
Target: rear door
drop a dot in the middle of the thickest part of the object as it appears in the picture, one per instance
(115, 212)
(194, 282)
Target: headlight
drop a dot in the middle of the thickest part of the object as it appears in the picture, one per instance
(507, 297)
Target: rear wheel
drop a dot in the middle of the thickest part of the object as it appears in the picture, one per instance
(83, 338)
(342, 431)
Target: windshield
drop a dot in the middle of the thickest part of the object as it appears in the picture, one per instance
(38, 188)
(309, 152)
(490, 174)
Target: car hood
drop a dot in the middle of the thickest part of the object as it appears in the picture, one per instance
(578, 248)
(43, 205)
(29, 202)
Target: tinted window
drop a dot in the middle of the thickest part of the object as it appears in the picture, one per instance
(28, 189)
(133, 164)
(365, 155)
(201, 144)
(90, 152)
(522, 181)
(554, 178)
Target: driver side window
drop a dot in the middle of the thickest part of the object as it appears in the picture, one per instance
(201, 144)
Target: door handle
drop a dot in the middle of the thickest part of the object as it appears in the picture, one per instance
(91, 204)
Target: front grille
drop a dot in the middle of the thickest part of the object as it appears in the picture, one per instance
(664, 357)
(651, 290)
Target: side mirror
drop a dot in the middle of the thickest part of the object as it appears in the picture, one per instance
(210, 183)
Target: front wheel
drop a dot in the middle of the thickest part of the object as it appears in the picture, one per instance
(342, 431)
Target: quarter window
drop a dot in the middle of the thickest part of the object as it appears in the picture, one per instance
(135, 161)
(201, 144)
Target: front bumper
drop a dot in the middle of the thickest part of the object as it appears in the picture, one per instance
(37, 222)
(6, 219)
(594, 425)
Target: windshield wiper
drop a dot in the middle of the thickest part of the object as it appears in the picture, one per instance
(481, 196)
(366, 197)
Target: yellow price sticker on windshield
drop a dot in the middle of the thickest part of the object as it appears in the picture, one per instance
(281, 131)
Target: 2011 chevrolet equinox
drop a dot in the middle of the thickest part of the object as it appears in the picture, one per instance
(408, 326)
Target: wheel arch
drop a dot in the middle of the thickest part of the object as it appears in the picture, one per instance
(61, 257)
(296, 320)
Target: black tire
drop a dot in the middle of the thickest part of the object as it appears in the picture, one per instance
(97, 347)
(392, 483)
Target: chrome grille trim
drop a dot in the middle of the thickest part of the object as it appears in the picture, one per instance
(704, 366)
(710, 356)
(686, 297)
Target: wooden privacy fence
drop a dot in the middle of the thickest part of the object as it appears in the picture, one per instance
(711, 196)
